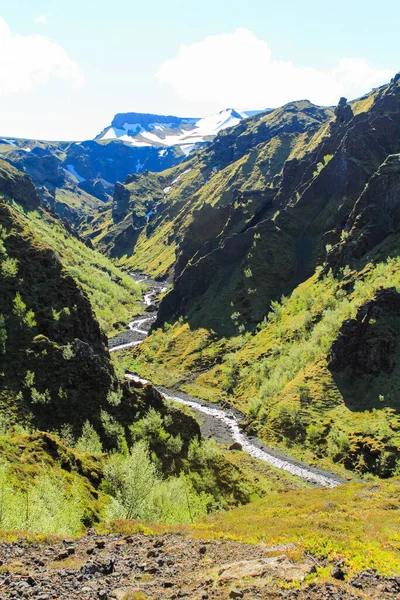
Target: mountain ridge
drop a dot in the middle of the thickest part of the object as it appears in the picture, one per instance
(161, 131)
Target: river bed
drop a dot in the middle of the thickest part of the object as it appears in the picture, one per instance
(217, 422)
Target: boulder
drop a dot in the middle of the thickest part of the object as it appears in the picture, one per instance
(275, 567)
(235, 446)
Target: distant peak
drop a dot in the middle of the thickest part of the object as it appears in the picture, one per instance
(161, 131)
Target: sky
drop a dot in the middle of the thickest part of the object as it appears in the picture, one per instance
(67, 66)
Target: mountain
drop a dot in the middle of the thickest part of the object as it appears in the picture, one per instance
(248, 156)
(77, 179)
(281, 241)
(157, 131)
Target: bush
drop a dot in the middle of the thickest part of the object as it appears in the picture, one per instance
(50, 505)
(139, 492)
(89, 441)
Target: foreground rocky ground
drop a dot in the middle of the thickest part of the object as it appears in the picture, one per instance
(172, 566)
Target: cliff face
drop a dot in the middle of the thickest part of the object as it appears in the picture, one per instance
(14, 184)
(55, 363)
(375, 218)
(275, 237)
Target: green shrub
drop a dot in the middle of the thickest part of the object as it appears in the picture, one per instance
(139, 492)
(89, 441)
(50, 505)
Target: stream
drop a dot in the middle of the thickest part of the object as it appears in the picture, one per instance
(217, 422)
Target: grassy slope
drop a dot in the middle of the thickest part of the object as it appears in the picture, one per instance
(356, 522)
(279, 375)
(115, 297)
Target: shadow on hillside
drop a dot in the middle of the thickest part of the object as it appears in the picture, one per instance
(367, 391)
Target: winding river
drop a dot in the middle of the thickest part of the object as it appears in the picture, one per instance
(222, 423)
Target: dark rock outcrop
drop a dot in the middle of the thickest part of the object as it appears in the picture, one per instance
(120, 201)
(368, 343)
(343, 111)
(18, 186)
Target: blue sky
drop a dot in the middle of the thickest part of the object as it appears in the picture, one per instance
(69, 66)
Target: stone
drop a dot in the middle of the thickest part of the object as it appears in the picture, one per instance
(276, 567)
(235, 446)
(62, 555)
(105, 568)
(338, 573)
(362, 347)
(343, 111)
(234, 593)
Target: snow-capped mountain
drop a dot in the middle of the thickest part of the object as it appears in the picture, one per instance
(159, 131)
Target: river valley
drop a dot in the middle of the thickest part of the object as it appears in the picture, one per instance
(222, 424)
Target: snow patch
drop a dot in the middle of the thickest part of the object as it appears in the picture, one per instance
(187, 148)
(181, 175)
(73, 172)
(166, 190)
(161, 134)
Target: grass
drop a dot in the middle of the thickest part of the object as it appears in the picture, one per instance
(114, 296)
(358, 523)
(279, 375)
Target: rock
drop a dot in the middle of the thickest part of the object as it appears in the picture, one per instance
(338, 573)
(343, 111)
(235, 446)
(18, 186)
(62, 555)
(235, 594)
(277, 567)
(124, 593)
(105, 568)
(366, 348)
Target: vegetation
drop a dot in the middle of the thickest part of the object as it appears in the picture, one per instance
(114, 295)
(356, 523)
(280, 377)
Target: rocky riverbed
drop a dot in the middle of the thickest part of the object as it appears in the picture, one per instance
(139, 328)
(217, 422)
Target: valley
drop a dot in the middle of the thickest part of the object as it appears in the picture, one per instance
(221, 424)
(199, 356)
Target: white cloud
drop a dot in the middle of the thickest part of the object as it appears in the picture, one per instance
(236, 69)
(30, 60)
(41, 20)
